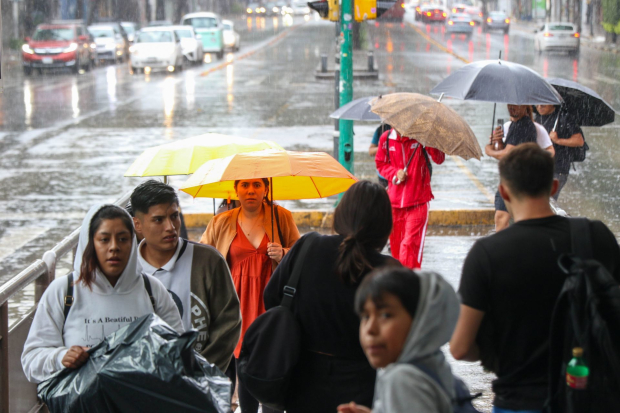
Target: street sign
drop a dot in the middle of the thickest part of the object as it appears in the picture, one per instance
(365, 10)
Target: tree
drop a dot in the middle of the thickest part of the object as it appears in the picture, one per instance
(611, 17)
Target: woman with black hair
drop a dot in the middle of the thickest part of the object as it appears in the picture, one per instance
(108, 293)
(333, 368)
(243, 236)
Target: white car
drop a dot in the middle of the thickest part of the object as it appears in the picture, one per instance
(191, 44)
(109, 45)
(231, 37)
(557, 36)
(156, 48)
(300, 8)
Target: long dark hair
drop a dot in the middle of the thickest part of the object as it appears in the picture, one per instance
(265, 182)
(89, 259)
(364, 218)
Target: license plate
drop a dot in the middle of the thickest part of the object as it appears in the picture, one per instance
(47, 60)
(152, 60)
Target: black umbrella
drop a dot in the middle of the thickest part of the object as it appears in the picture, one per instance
(585, 106)
(499, 81)
(358, 109)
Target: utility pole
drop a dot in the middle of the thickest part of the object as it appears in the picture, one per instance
(345, 150)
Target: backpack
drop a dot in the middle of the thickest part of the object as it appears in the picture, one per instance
(586, 315)
(578, 154)
(462, 401)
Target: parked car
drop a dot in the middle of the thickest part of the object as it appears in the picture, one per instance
(131, 29)
(557, 36)
(120, 36)
(191, 44)
(156, 48)
(210, 29)
(433, 13)
(497, 20)
(394, 13)
(59, 45)
(255, 9)
(460, 23)
(231, 37)
(109, 45)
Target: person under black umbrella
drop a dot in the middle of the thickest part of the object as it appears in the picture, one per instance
(521, 131)
(565, 135)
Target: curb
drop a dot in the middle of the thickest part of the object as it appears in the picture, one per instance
(324, 218)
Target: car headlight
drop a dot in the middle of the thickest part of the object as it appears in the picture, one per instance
(72, 48)
(93, 45)
(26, 49)
(133, 50)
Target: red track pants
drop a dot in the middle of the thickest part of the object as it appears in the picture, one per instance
(408, 234)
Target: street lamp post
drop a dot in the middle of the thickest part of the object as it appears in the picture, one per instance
(345, 150)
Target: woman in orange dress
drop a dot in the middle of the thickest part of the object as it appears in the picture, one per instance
(242, 235)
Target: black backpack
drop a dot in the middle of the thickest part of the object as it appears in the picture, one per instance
(462, 401)
(272, 344)
(578, 154)
(586, 315)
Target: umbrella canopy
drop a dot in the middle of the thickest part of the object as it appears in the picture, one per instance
(296, 175)
(185, 156)
(358, 109)
(498, 81)
(586, 107)
(429, 122)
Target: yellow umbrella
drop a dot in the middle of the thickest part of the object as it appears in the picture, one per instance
(295, 175)
(185, 156)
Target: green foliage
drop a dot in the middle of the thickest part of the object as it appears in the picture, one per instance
(16, 44)
(237, 7)
(611, 16)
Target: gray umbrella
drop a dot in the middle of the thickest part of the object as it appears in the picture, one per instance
(499, 81)
(358, 109)
(585, 106)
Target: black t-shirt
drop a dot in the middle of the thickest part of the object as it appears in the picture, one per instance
(565, 129)
(513, 276)
(521, 131)
(323, 304)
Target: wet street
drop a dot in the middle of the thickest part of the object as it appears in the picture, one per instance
(66, 140)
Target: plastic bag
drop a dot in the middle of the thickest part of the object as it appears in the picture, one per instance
(144, 366)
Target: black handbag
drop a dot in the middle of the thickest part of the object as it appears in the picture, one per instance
(272, 344)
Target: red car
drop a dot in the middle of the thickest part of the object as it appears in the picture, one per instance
(433, 13)
(55, 46)
(394, 13)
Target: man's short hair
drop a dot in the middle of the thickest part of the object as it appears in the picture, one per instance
(527, 170)
(150, 193)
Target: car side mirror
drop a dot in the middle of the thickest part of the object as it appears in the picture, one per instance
(198, 36)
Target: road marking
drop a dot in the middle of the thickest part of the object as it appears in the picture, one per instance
(251, 52)
(17, 238)
(474, 179)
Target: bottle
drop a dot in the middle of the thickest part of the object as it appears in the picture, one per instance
(577, 372)
(500, 123)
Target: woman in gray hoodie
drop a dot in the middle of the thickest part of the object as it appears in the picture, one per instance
(405, 319)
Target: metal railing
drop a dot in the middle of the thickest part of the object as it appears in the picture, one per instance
(16, 393)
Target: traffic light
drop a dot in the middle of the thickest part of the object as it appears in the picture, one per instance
(327, 9)
(364, 10)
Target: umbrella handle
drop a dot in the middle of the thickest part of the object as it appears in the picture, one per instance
(556, 122)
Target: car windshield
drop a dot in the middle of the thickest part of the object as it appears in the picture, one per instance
(101, 32)
(184, 34)
(53, 34)
(497, 15)
(129, 28)
(561, 27)
(155, 37)
(228, 26)
(201, 22)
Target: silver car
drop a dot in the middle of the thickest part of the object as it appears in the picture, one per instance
(560, 36)
(109, 44)
(460, 23)
(497, 20)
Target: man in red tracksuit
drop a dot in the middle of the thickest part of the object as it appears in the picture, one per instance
(406, 165)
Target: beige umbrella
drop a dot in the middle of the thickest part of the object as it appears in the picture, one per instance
(429, 122)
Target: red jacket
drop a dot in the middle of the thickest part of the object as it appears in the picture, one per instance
(417, 187)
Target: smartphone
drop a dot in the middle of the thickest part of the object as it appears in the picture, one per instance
(500, 123)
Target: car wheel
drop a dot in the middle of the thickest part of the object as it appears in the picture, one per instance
(76, 67)
(27, 71)
(220, 54)
(574, 52)
(506, 30)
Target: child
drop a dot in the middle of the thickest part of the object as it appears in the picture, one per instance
(405, 318)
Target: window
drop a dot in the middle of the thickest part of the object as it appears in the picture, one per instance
(155, 37)
(54, 34)
(201, 22)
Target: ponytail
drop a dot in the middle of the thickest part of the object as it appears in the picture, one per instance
(352, 262)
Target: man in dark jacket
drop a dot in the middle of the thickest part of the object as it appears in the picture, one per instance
(511, 280)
